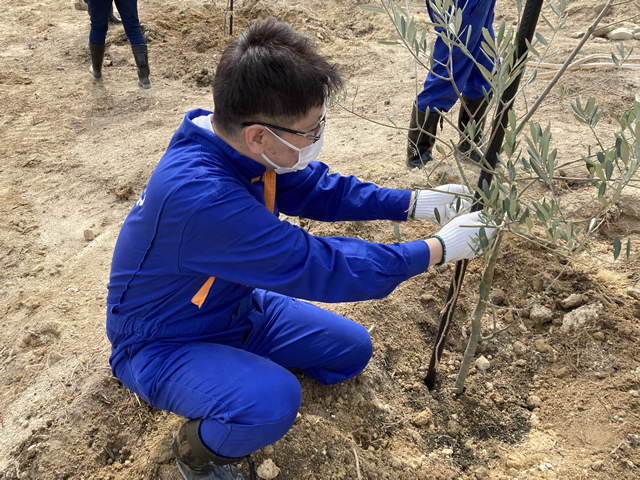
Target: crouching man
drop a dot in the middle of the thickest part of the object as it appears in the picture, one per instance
(206, 308)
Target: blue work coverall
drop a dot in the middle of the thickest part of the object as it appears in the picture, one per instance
(438, 91)
(205, 309)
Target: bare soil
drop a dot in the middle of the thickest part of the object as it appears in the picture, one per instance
(76, 155)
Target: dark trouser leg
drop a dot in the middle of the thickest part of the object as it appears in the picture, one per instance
(422, 137)
(471, 121)
(112, 16)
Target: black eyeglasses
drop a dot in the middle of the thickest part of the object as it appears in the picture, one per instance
(314, 137)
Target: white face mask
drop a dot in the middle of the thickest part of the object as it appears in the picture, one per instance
(306, 155)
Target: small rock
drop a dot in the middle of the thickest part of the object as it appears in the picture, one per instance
(124, 193)
(636, 35)
(396, 463)
(269, 450)
(89, 235)
(540, 314)
(572, 301)
(542, 346)
(453, 428)
(447, 451)
(634, 393)
(481, 473)
(497, 398)
(268, 470)
(422, 418)
(497, 296)
(633, 293)
(620, 34)
(599, 336)
(580, 316)
(577, 35)
(534, 401)
(597, 466)
(534, 420)
(482, 363)
(519, 348)
(600, 40)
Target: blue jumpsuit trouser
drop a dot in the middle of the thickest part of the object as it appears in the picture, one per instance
(238, 380)
(438, 91)
(99, 14)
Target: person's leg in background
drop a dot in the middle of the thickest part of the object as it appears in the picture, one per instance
(450, 65)
(128, 10)
(474, 105)
(99, 16)
(112, 16)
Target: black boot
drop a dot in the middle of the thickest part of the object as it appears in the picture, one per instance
(422, 137)
(197, 462)
(112, 16)
(471, 121)
(97, 56)
(142, 63)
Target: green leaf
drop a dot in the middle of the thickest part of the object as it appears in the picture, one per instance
(529, 222)
(617, 245)
(506, 206)
(109, 451)
(628, 249)
(608, 169)
(484, 240)
(541, 39)
(437, 215)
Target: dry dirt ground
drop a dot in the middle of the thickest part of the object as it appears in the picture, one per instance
(76, 155)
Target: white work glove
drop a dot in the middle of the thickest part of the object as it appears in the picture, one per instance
(457, 237)
(444, 199)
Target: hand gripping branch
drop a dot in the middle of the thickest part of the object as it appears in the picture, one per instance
(525, 35)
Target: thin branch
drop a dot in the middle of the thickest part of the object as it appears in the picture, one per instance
(566, 64)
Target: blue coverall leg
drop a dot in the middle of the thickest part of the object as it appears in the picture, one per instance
(238, 383)
(438, 91)
(99, 14)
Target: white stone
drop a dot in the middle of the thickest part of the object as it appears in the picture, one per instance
(540, 314)
(572, 301)
(482, 363)
(580, 316)
(268, 470)
(620, 34)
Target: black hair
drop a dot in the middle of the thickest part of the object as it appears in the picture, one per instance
(271, 73)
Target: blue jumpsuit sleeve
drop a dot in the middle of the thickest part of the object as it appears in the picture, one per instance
(314, 193)
(233, 236)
